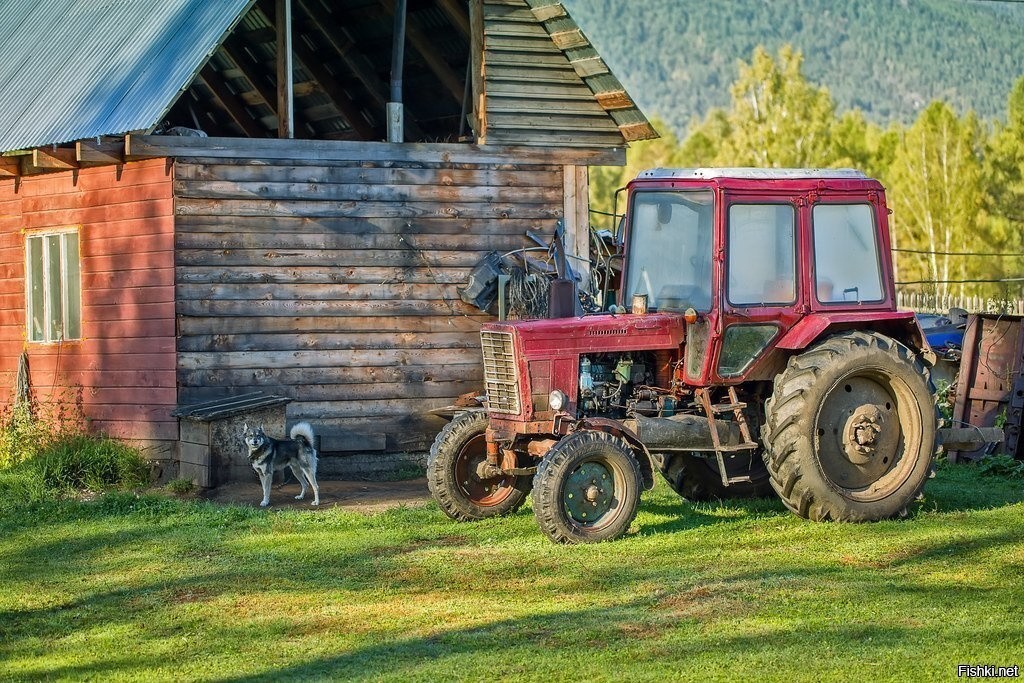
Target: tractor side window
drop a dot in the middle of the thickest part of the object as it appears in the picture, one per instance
(741, 345)
(846, 254)
(669, 252)
(762, 254)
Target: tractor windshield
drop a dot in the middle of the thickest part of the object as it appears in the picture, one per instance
(669, 253)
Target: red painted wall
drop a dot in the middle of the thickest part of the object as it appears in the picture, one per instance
(125, 363)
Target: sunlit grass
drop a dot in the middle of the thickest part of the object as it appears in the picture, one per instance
(155, 588)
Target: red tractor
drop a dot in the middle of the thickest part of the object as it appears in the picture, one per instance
(762, 350)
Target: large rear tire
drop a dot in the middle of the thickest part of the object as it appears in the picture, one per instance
(452, 473)
(587, 488)
(850, 429)
(697, 479)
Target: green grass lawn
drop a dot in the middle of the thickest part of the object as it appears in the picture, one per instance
(155, 588)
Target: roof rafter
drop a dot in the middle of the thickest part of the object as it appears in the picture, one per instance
(350, 54)
(232, 103)
(451, 81)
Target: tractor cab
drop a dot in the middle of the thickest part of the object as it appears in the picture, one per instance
(751, 253)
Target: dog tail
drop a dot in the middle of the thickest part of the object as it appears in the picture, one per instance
(304, 431)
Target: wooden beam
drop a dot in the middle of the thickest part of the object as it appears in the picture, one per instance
(232, 103)
(248, 67)
(449, 79)
(285, 70)
(313, 63)
(355, 61)
(104, 153)
(269, 149)
(348, 109)
(478, 74)
(456, 13)
(48, 160)
(10, 167)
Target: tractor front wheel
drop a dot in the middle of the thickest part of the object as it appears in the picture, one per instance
(452, 477)
(850, 429)
(587, 488)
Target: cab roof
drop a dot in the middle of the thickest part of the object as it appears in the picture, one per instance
(750, 173)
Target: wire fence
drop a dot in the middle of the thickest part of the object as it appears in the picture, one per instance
(931, 303)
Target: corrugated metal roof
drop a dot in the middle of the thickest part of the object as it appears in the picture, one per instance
(75, 69)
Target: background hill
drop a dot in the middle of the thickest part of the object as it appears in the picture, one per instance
(889, 58)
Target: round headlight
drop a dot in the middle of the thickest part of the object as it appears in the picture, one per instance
(557, 400)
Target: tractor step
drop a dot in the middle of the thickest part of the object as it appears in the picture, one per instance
(740, 480)
(737, 447)
(727, 407)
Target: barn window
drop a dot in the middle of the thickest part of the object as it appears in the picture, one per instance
(54, 291)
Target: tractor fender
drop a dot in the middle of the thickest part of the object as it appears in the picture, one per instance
(900, 325)
(616, 428)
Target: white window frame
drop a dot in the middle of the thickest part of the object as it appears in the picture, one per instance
(65, 294)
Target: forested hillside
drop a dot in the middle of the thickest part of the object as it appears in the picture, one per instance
(889, 58)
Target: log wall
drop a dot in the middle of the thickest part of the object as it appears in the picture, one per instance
(335, 284)
(124, 366)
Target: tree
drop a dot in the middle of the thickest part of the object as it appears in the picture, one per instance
(1003, 205)
(935, 186)
(777, 118)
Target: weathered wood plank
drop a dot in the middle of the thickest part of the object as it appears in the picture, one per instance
(154, 277)
(317, 341)
(127, 296)
(332, 192)
(359, 175)
(316, 275)
(333, 292)
(322, 257)
(189, 360)
(98, 214)
(364, 209)
(312, 377)
(66, 201)
(223, 240)
(361, 226)
(148, 146)
(136, 430)
(347, 392)
(452, 307)
(189, 325)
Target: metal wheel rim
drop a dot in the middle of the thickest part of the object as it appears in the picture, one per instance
(592, 514)
(484, 493)
(868, 401)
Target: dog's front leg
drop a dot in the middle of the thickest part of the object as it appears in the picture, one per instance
(302, 481)
(267, 479)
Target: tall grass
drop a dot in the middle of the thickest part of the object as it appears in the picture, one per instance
(47, 451)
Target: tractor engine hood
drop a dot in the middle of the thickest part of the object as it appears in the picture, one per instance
(562, 337)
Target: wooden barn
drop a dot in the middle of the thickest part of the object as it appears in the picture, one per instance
(290, 249)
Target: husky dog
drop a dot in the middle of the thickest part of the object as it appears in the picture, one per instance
(267, 455)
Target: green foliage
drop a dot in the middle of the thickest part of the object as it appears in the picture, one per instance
(72, 464)
(45, 450)
(885, 58)
(1002, 466)
(180, 487)
(935, 187)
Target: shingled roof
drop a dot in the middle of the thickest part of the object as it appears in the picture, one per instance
(133, 65)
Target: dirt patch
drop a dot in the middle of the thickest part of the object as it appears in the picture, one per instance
(362, 496)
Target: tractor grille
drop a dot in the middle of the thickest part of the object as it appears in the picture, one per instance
(500, 376)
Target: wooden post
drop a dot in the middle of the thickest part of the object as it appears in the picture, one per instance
(476, 59)
(576, 209)
(285, 85)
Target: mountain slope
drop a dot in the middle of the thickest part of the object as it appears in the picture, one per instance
(889, 58)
